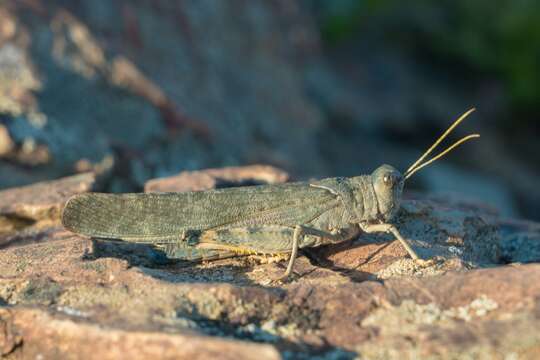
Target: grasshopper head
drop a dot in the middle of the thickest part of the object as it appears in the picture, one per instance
(388, 185)
(388, 182)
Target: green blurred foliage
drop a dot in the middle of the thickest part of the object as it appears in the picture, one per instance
(500, 38)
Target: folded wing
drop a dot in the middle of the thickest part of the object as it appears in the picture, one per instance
(150, 217)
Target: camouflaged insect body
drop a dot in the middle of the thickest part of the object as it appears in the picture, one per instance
(222, 222)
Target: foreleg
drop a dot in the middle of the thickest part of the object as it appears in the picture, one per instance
(390, 229)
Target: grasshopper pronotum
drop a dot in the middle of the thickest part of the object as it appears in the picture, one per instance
(266, 219)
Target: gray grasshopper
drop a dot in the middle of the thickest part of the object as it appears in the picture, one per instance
(266, 219)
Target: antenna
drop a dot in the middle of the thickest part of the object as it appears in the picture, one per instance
(418, 163)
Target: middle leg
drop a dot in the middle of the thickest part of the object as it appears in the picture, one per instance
(299, 231)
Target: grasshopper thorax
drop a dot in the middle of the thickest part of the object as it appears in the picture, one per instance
(388, 186)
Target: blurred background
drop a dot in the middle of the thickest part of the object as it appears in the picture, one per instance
(148, 88)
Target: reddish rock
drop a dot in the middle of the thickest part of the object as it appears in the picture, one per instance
(50, 335)
(69, 296)
(32, 213)
(214, 178)
(107, 300)
(44, 200)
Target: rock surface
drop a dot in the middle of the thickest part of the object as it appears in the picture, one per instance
(63, 295)
(29, 209)
(216, 178)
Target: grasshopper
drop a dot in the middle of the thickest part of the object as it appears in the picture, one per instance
(265, 219)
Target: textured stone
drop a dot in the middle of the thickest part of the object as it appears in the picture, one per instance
(216, 178)
(30, 212)
(78, 289)
(63, 295)
(44, 200)
(70, 337)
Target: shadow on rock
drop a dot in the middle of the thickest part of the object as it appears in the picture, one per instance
(135, 254)
(155, 263)
(258, 331)
(322, 258)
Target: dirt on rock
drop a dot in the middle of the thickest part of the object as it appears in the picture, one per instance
(68, 296)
